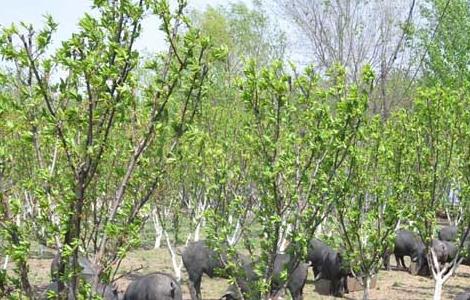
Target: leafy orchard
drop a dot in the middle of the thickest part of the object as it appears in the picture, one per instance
(212, 138)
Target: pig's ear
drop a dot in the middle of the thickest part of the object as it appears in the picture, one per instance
(173, 289)
(115, 289)
(339, 257)
(226, 296)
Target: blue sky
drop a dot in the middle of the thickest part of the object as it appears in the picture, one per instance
(68, 12)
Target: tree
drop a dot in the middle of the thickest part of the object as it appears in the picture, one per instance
(375, 199)
(247, 34)
(435, 138)
(356, 33)
(297, 136)
(92, 188)
(13, 231)
(446, 43)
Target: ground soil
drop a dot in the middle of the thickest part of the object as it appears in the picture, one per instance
(395, 284)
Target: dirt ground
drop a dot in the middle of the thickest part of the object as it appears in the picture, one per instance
(391, 285)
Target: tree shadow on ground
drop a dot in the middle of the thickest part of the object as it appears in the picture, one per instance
(418, 292)
(463, 275)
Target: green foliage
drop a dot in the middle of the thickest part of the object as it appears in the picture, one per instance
(88, 130)
(436, 121)
(296, 135)
(248, 33)
(373, 202)
(446, 41)
(217, 132)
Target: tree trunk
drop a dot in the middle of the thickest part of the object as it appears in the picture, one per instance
(236, 234)
(73, 233)
(158, 229)
(437, 289)
(197, 232)
(441, 274)
(5, 263)
(176, 260)
(366, 283)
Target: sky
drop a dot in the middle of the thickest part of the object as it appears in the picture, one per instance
(68, 12)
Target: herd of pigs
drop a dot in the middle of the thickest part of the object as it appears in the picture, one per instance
(328, 264)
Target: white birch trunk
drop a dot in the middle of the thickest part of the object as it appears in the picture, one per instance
(319, 229)
(441, 275)
(283, 242)
(176, 260)
(158, 229)
(5, 263)
(398, 225)
(365, 296)
(199, 218)
(437, 289)
(236, 234)
(197, 231)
